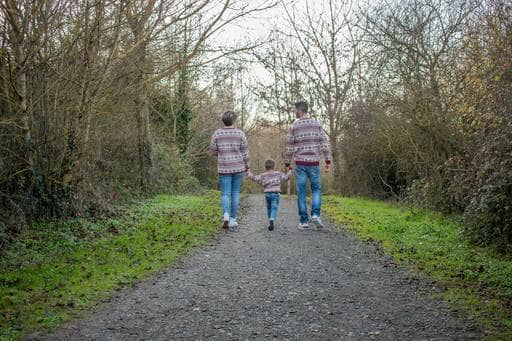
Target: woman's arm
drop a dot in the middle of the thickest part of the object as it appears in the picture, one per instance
(214, 148)
(244, 149)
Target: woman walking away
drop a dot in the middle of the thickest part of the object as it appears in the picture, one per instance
(229, 144)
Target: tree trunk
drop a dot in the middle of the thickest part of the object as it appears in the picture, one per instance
(79, 132)
(336, 164)
(17, 37)
(144, 142)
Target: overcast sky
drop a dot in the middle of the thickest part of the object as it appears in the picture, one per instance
(258, 26)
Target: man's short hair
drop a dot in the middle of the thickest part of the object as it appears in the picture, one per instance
(270, 164)
(228, 118)
(302, 106)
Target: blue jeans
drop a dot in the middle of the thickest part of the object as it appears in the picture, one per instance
(230, 187)
(272, 199)
(302, 174)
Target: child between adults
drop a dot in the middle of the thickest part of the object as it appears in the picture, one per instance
(271, 182)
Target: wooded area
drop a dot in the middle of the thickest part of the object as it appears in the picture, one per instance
(102, 100)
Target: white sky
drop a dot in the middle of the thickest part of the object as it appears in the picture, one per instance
(255, 27)
(259, 25)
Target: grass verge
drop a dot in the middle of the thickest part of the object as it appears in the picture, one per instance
(56, 270)
(476, 281)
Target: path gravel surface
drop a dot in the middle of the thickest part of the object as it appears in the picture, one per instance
(284, 284)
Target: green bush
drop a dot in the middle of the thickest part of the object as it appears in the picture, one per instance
(174, 172)
(479, 186)
(189, 185)
(488, 216)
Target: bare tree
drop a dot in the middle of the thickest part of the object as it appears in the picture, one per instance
(411, 51)
(318, 63)
(18, 16)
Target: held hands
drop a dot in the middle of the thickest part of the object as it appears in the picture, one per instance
(327, 167)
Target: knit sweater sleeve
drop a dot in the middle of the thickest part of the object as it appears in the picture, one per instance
(324, 146)
(255, 178)
(214, 149)
(244, 149)
(290, 144)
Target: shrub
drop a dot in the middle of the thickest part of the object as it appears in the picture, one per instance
(189, 185)
(488, 216)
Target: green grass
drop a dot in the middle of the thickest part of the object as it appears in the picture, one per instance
(56, 270)
(477, 281)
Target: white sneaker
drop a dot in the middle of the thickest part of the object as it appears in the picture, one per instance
(317, 222)
(233, 224)
(303, 226)
(225, 220)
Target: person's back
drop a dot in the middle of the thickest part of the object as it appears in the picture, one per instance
(271, 182)
(230, 146)
(306, 144)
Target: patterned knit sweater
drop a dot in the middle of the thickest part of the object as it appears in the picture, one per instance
(306, 141)
(230, 146)
(271, 180)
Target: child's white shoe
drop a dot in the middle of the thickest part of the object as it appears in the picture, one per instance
(303, 226)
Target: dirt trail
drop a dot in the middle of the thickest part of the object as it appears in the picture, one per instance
(285, 284)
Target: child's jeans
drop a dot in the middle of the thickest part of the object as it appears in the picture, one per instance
(272, 199)
(230, 187)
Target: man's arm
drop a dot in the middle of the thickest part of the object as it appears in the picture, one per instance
(290, 143)
(324, 147)
(287, 176)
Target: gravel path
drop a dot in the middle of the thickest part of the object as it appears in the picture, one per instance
(285, 284)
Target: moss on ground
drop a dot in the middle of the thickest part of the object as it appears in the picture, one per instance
(58, 269)
(477, 281)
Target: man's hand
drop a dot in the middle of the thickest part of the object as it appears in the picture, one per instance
(327, 167)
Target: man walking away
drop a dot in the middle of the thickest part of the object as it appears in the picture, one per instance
(306, 142)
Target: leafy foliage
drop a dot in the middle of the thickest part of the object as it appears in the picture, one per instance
(432, 124)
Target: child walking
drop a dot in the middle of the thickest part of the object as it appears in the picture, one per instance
(271, 182)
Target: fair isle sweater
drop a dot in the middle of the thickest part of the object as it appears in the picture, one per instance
(306, 142)
(230, 147)
(271, 180)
